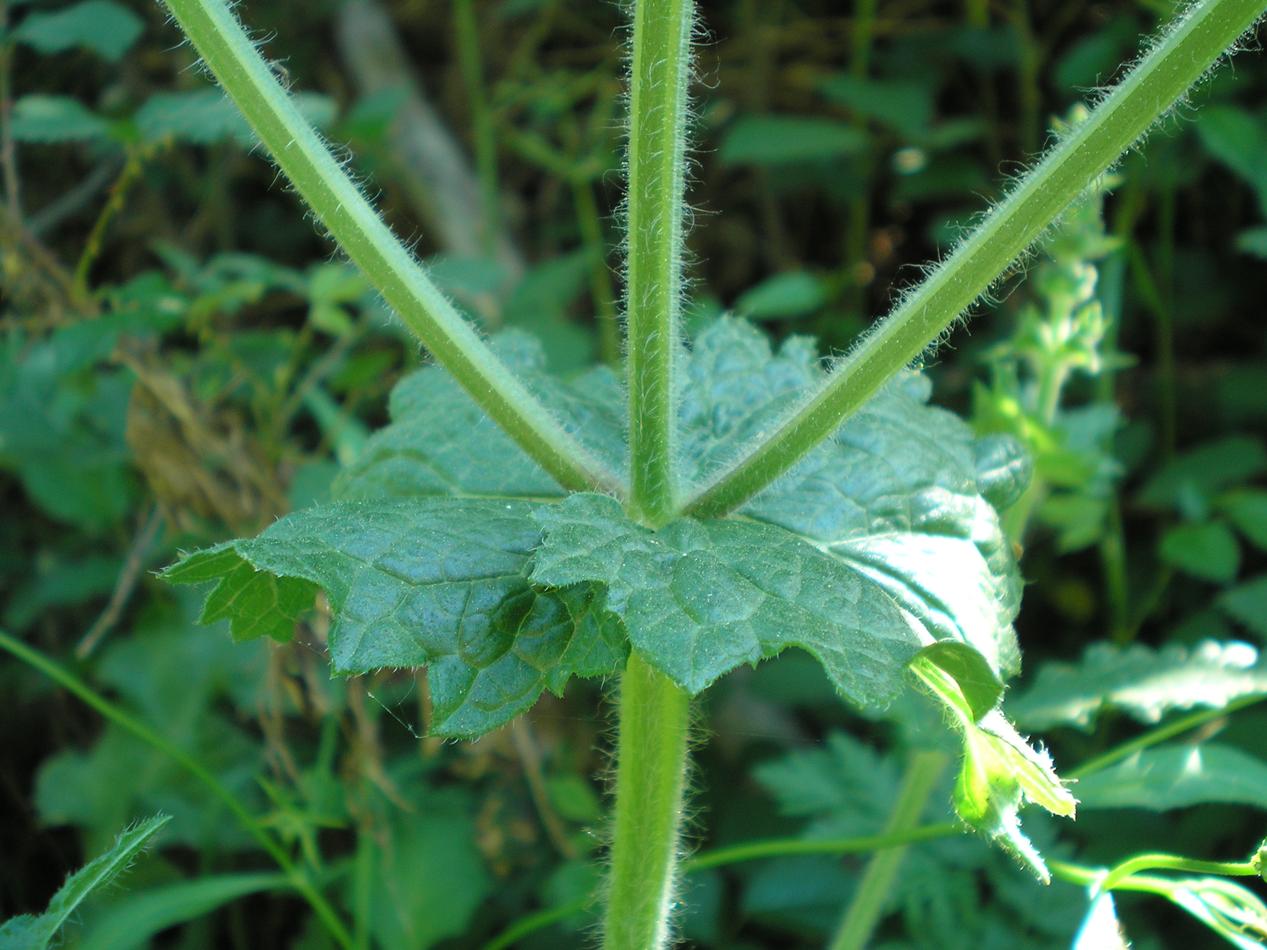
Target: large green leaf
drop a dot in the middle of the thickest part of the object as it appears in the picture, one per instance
(436, 582)
(1178, 776)
(880, 543)
(28, 932)
(1142, 682)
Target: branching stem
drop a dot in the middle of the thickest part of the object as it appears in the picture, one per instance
(654, 712)
(654, 217)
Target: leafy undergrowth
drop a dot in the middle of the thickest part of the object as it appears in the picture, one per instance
(182, 363)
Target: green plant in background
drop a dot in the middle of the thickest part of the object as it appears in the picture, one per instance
(454, 558)
(1062, 335)
(490, 534)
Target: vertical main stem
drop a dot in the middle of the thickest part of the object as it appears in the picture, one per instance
(654, 713)
(650, 786)
(867, 906)
(654, 218)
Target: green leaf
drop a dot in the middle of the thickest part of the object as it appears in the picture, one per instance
(845, 782)
(1142, 682)
(783, 296)
(435, 582)
(207, 116)
(906, 107)
(62, 426)
(1000, 770)
(1000, 773)
(894, 493)
(960, 678)
(1204, 470)
(1247, 604)
(430, 879)
(101, 26)
(1178, 776)
(1207, 550)
(878, 544)
(860, 563)
(256, 603)
(1004, 469)
(700, 598)
(134, 920)
(787, 140)
(55, 119)
(1237, 139)
(35, 933)
(1246, 509)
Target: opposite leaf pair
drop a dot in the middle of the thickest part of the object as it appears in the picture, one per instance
(453, 550)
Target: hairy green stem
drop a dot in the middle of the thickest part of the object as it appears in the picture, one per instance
(868, 904)
(340, 206)
(654, 713)
(650, 786)
(660, 70)
(1180, 57)
(295, 875)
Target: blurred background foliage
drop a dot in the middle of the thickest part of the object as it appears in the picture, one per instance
(184, 360)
